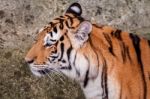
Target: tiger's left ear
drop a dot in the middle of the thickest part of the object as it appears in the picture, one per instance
(82, 33)
(75, 8)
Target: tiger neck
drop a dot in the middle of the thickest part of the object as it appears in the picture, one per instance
(96, 81)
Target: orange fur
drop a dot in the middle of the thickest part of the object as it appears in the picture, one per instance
(127, 74)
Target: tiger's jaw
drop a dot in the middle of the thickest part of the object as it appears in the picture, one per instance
(40, 70)
(45, 69)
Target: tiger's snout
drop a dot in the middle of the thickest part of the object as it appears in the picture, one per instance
(28, 60)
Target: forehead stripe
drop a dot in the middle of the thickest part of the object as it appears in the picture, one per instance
(51, 34)
(51, 23)
(67, 24)
(61, 26)
(62, 51)
(55, 29)
(70, 18)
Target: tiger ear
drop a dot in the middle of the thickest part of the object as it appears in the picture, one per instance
(75, 8)
(82, 34)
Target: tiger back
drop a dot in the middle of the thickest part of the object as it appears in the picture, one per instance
(108, 63)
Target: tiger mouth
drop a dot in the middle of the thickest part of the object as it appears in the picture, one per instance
(40, 70)
(44, 71)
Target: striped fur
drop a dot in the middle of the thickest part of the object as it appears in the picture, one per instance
(108, 63)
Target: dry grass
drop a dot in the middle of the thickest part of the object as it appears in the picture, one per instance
(16, 81)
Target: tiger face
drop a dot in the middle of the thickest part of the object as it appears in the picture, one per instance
(58, 42)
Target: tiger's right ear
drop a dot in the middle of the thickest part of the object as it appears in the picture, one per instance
(75, 8)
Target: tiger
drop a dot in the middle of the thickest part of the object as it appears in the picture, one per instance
(106, 62)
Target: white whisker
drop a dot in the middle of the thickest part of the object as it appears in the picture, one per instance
(49, 76)
(59, 76)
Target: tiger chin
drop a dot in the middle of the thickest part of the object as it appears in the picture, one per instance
(108, 63)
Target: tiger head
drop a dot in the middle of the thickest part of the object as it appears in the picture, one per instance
(57, 44)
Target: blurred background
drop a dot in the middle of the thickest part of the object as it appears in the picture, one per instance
(21, 19)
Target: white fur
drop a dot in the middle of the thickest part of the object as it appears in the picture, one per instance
(93, 90)
(114, 87)
(71, 74)
(76, 9)
(56, 36)
(34, 71)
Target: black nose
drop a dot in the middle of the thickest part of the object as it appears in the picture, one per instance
(29, 61)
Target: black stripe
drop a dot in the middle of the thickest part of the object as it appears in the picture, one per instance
(69, 16)
(51, 34)
(56, 45)
(86, 79)
(62, 38)
(68, 55)
(62, 51)
(124, 52)
(128, 54)
(74, 62)
(104, 81)
(149, 43)
(61, 16)
(67, 24)
(69, 52)
(61, 22)
(61, 26)
(108, 39)
(136, 43)
(81, 19)
(51, 23)
(71, 20)
(100, 27)
(52, 40)
(54, 57)
(117, 34)
(55, 29)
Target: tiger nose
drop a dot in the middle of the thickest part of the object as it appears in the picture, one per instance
(28, 60)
